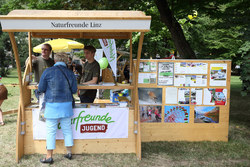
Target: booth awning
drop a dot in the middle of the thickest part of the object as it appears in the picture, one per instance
(76, 24)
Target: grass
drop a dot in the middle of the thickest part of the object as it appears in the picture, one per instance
(235, 152)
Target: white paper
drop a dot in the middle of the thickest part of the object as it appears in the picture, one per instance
(191, 68)
(171, 95)
(147, 78)
(183, 96)
(196, 96)
(165, 73)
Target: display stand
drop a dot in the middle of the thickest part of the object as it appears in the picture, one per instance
(75, 24)
(201, 85)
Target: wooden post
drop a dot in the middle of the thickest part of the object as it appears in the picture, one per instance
(137, 113)
(30, 51)
(20, 119)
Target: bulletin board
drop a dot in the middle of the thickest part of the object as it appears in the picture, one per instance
(184, 100)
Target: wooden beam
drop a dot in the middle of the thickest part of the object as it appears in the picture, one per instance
(137, 113)
(20, 118)
(30, 51)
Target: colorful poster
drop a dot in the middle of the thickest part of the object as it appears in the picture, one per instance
(151, 96)
(183, 96)
(196, 96)
(176, 114)
(171, 95)
(165, 73)
(218, 74)
(190, 80)
(206, 114)
(147, 67)
(215, 96)
(190, 68)
(147, 78)
(89, 123)
(150, 113)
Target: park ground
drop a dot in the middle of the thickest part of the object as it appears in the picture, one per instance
(235, 152)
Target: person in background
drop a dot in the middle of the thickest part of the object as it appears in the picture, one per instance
(40, 63)
(90, 75)
(3, 96)
(59, 84)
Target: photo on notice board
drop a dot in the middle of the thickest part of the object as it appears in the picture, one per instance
(206, 114)
(218, 74)
(176, 114)
(150, 113)
(147, 67)
(183, 96)
(150, 96)
(215, 96)
(165, 73)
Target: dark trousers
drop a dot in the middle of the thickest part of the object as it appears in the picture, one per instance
(86, 99)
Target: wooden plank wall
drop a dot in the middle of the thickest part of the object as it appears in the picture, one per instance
(161, 131)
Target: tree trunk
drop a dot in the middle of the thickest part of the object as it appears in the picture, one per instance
(175, 29)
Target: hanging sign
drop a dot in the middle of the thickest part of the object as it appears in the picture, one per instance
(109, 48)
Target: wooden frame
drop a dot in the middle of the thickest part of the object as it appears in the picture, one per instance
(24, 138)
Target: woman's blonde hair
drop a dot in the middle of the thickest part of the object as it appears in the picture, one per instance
(61, 57)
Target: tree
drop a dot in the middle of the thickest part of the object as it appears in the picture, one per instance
(175, 29)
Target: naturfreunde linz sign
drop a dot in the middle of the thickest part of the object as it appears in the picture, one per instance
(89, 123)
(29, 24)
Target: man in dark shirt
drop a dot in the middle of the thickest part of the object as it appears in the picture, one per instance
(90, 75)
(42, 62)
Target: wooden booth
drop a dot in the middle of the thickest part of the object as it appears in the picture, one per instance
(76, 24)
(171, 100)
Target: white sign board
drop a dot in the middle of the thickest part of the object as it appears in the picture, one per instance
(40, 24)
(89, 123)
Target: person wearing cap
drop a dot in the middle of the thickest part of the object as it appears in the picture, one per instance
(3, 96)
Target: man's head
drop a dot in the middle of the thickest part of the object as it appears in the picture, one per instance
(46, 50)
(89, 52)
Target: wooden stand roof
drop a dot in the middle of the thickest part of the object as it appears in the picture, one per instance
(76, 24)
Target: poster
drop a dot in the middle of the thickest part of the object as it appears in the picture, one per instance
(171, 95)
(165, 73)
(89, 123)
(196, 96)
(190, 68)
(176, 114)
(190, 80)
(147, 78)
(150, 96)
(147, 67)
(206, 114)
(218, 74)
(183, 96)
(150, 113)
(214, 96)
